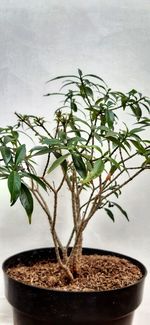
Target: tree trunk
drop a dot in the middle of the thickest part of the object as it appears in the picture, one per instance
(75, 255)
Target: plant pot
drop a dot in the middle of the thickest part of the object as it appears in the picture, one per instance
(38, 306)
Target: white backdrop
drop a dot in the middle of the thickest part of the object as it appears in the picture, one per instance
(40, 39)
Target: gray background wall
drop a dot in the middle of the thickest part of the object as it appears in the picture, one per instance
(40, 39)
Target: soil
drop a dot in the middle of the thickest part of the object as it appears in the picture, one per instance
(98, 273)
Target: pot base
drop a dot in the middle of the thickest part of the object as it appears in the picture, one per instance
(23, 319)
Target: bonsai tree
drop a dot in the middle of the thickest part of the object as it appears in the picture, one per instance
(93, 149)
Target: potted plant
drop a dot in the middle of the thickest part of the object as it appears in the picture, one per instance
(94, 152)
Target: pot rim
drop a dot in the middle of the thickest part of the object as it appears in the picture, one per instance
(5, 266)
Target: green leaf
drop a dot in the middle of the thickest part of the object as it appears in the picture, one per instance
(137, 111)
(82, 121)
(110, 118)
(4, 172)
(51, 142)
(89, 91)
(95, 172)
(80, 73)
(20, 154)
(132, 92)
(85, 91)
(118, 143)
(124, 100)
(6, 154)
(79, 165)
(36, 179)
(95, 76)
(7, 139)
(58, 162)
(120, 208)
(26, 201)
(14, 186)
(110, 214)
(98, 138)
(139, 146)
(146, 106)
(54, 94)
(15, 136)
(63, 77)
(40, 150)
(136, 130)
(74, 107)
(36, 148)
(75, 140)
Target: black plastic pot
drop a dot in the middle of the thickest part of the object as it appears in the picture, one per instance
(38, 306)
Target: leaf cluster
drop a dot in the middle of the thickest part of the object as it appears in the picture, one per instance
(90, 141)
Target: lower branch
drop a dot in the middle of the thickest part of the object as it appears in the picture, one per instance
(124, 183)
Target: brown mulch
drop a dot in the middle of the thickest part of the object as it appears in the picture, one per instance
(97, 273)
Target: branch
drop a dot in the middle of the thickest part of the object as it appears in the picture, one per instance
(44, 128)
(21, 119)
(124, 183)
(70, 238)
(44, 206)
(61, 183)
(73, 201)
(47, 163)
(77, 199)
(88, 202)
(95, 206)
(55, 211)
(48, 184)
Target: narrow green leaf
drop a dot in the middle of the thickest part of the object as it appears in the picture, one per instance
(82, 121)
(80, 73)
(36, 179)
(136, 130)
(14, 186)
(63, 77)
(98, 138)
(89, 91)
(124, 100)
(120, 208)
(132, 92)
(146, 106)
(74, 107)
(118, 143)
(110, 214)
(6, 154)
(51, 142)
(76, 139)
(20, 154)
(58, 162)
(137, 111)
(36, 148)
(95, 76)
(40, 150)
(79, 165)
(74, 129)
(139, 146)
(26, 201)
(110, 118)
(7, 139)
(54, 94)
(85, 91)
(95, 172)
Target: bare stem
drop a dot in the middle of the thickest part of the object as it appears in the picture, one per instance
(124, 183)
(47, 163)
(55, 211)
(70, 238)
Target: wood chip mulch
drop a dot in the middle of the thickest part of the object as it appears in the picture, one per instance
(98, 273)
